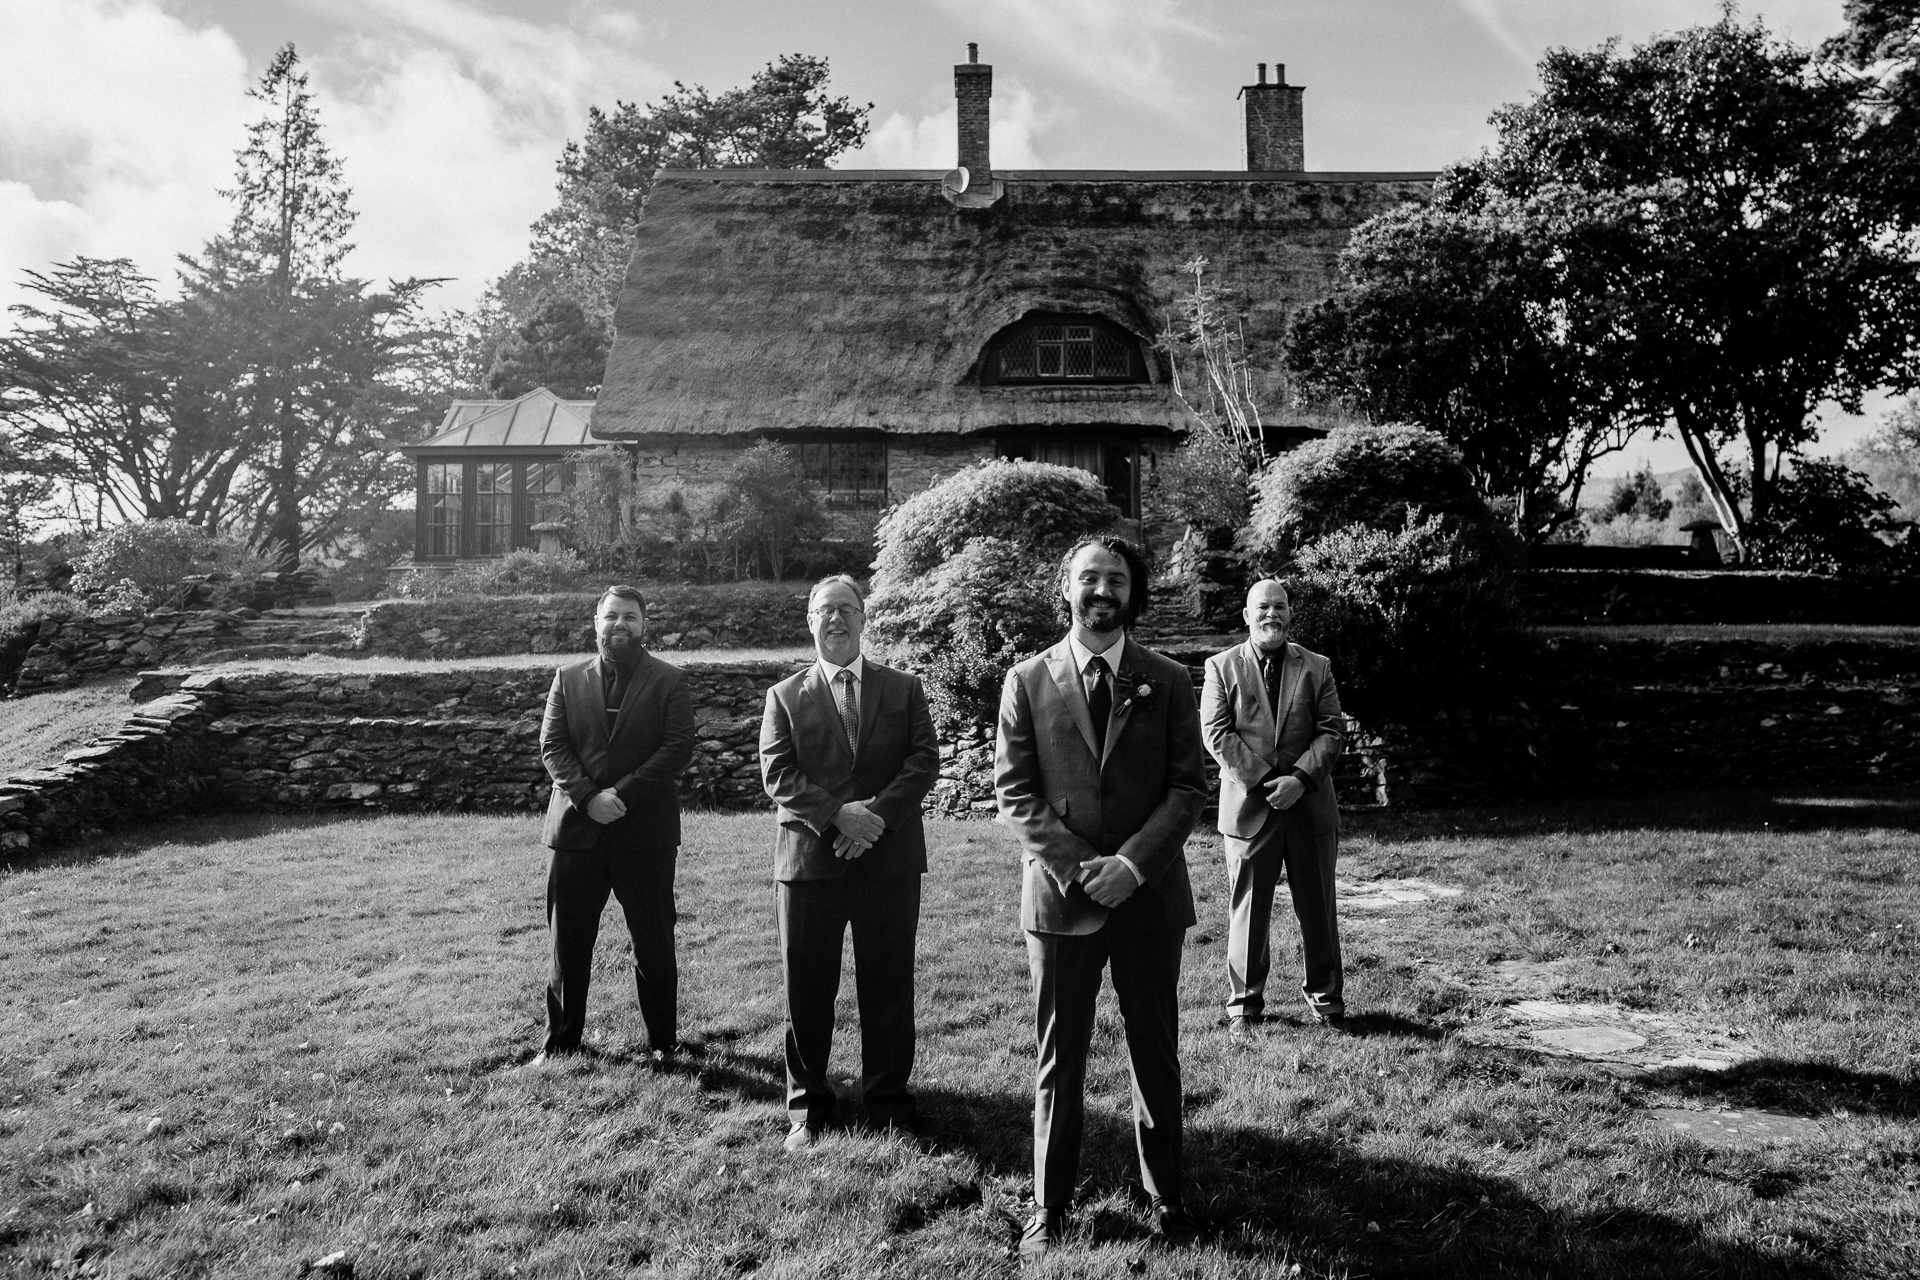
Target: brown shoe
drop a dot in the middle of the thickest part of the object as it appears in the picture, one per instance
(1042, 1233)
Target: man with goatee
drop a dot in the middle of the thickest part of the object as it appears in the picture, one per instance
(1271, 714)
(617, 733)
(1099, 773)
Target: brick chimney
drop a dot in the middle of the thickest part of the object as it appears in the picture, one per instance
(973, 87)
(1276, 136)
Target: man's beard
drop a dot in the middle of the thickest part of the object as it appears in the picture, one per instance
(623, 651)
(1083, 614)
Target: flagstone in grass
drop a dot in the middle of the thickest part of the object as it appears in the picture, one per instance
(1391, 891)
(1757, 1127)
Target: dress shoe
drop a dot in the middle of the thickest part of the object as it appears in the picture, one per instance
(1042, 1233)
(1335, 1018)
(1172, 1224)
(801, 1137)
(1240, 1029)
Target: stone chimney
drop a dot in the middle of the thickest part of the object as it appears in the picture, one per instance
(973, 87)
(1276, 136)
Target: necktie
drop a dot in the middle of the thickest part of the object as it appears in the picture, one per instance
(1270, 668)
(1099, 702)
(849, 712)
(616, 687)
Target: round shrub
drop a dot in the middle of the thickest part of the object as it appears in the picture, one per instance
(1027, 504)
(135, 566)
(1409, 617)
(1362, 475)
(961, 624)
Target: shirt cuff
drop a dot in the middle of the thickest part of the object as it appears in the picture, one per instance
(1306, 779)
(1127, 862)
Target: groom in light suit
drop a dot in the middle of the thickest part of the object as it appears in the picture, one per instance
(1099, 772)
(1272, 719)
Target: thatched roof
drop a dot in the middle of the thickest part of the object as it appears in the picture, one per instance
(761, 300)
(537, 422)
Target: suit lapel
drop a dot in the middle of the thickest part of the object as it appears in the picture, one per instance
(1292, 669)
(1060, 667)
(872, 686)
(823, 704)
(641, 675)
(1122, 699)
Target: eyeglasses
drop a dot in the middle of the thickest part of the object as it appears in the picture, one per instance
(843, 610)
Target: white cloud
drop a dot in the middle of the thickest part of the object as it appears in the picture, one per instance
(117, 125)
(932, 141)
(1116, 44)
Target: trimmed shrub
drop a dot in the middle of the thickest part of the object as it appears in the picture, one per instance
(134, 567)
(1828, 518)
(961, 624)
(1410, 617)
(1371, 476)
(1033, 505)
(518, 573)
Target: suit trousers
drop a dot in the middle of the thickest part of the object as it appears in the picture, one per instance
(578, 882)
(1253, 872)
(1066, 972)
(814, 915)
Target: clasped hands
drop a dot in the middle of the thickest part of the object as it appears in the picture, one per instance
(1107, 880)
(858, 826)
(1285, 792)
(606, 806)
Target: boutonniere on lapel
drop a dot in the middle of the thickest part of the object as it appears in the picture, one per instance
(1137, 689)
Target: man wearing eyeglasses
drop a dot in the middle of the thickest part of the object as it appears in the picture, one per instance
(847, 753)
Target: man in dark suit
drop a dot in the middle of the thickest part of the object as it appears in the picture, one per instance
(847, 753)
(1099, 772)
(1272, 719)
(618, 731)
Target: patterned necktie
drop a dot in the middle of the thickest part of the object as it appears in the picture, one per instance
(849, 712)
(1270, 668)
(1099, 702)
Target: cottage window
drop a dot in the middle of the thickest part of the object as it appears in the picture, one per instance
(852, 472)
(443, 485)
(1071, 349)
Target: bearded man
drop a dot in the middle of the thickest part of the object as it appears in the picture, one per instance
(617, 733)
(1098, 771)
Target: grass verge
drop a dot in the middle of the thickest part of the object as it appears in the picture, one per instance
(37, 732)
(235, 1046)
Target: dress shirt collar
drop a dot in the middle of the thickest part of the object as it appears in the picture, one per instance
(1112, 653)
(831, 673)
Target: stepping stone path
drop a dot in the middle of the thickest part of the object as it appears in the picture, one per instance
(1753, 1128)
(1375, 895)
(1628, 1040)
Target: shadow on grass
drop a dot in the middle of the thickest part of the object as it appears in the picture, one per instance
(1268, 1198)
(1812, 1089)
(187, 831)
(1722, 809)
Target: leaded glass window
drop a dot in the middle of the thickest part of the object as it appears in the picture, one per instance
(1065, 349)
(492, 508)
(443, 507)
(852, 472)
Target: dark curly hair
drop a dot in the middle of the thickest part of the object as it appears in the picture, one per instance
(1138, 572)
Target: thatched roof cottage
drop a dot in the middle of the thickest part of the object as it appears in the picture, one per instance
(895, 325)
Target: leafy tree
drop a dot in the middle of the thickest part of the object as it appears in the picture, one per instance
(1638, 496)
(1826, 518)
(557, 348)
(1756, 266)
(310, 355)
(1890, 456)
(1480, 321)
(768, 509)
(784, 118)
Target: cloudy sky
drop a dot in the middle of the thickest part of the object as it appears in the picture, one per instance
(119, 118)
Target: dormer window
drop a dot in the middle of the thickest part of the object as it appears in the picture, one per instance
(1064, 349)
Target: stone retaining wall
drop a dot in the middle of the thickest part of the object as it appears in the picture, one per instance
(1593, 711)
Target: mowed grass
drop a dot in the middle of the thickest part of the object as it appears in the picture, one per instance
(37, 732)
(235, 1046)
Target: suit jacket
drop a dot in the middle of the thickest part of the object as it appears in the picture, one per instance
(651, 742)
(1139, 798)
(1253, 745)
(809, 772)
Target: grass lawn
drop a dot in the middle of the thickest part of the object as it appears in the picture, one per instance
(37, 732)
(235, 1046)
